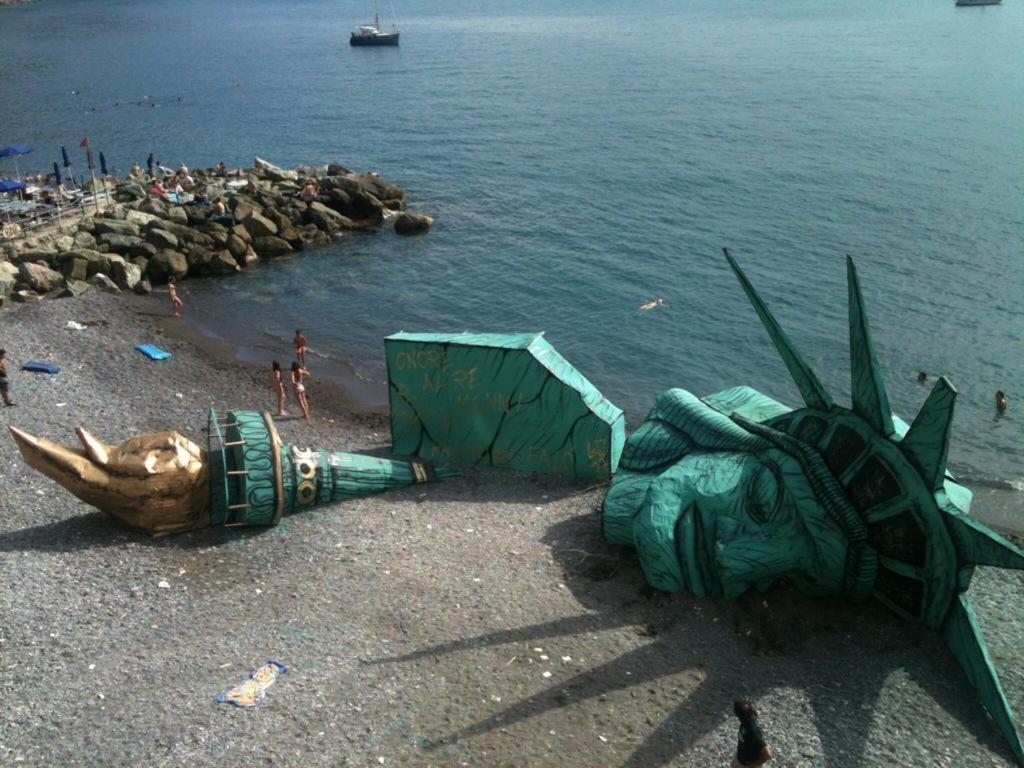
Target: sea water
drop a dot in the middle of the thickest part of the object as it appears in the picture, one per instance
(583, 158)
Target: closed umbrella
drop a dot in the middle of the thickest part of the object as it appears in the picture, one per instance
(67, 164)
(57, 178)
(103, 163)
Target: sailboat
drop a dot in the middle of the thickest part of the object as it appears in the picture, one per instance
(978, 2)
(370, 34)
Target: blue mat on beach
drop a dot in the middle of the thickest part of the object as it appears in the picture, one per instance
(154, 353)
(37, 367)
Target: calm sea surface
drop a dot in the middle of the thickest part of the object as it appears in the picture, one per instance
(582, 158)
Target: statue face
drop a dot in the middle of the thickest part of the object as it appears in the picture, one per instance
(714, 510)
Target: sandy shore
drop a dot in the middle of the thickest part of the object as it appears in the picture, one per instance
(481, 622)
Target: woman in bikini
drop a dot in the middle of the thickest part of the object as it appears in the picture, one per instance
(278, 387)
(298, 374)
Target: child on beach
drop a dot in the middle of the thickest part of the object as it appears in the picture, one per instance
(176, 303)
(301, 345)
(3, 379)
(278, 387)
(750, 749)
(298, 374)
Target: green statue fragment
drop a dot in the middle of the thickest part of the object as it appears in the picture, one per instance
(165, 483)
(734, 490)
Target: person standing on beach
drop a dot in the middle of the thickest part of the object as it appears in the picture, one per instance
(301, 345)
(278, 387)
(176, 303)
(751, 749)
(4, 393)
(298, 374)
(1002, 404)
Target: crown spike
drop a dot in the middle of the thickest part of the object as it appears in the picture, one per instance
(811, 389)
(926, 443)
(869, 399)
(964, 638)
(978, 545)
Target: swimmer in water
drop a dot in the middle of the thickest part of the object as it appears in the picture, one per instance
(1002, 404)
(922, 377)
(652, 304)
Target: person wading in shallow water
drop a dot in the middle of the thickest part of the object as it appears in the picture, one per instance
(751, 749)
(3, 378)
(301, 345)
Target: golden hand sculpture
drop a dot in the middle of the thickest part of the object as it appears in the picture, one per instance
(159, 483)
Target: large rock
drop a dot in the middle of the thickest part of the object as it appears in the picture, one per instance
(143, 287)
(25, 296)
(6, 286)
(34, 255)
(70, 289)
(388, 193)
(273, 172)
(239, 231)
(161, 238)
(167, 264)
(337, 169)
(127, 191)
(9, 270)
(85, 240)
(236, 247)
(249, 257)
(269, 247)
(38, 277)
(154, 206)
(125, 274)
(119, 243)
(64, 243)
(312, 236)
(198, 259)
(259, 226)
(143, 251)
(223, 262)
(196, 214)
(103, 283)
(75, 268)
(412, 223)
(327, 219)
(177, 214)
(116, 227)
(141, 218)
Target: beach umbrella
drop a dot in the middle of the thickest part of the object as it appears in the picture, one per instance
(9, 186)
(14, 152)
(103, 163)
(149, 163)
(57, 178)
(67, 164)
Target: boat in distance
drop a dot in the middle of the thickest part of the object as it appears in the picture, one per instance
(978, 2)
(370, 34)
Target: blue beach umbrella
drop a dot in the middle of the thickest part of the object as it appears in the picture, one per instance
(14, 152)
(103, 163)
(57, 178)
(64, 152)
(9, 186)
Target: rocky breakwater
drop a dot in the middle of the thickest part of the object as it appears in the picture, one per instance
(143, 239)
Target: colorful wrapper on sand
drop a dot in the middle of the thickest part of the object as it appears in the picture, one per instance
(251, 692)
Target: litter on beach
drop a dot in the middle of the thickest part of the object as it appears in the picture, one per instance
(154, 352)
(251, 692)
(75, 326)
(37, 367)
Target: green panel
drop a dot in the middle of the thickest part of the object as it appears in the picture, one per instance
(503, 400)
(964, 638)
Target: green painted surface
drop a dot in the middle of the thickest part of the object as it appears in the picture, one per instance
(736, 490)
(503, 400)
(243, 456)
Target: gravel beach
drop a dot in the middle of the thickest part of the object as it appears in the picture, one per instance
(479, 622)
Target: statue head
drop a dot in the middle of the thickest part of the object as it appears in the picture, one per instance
(734, 490)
